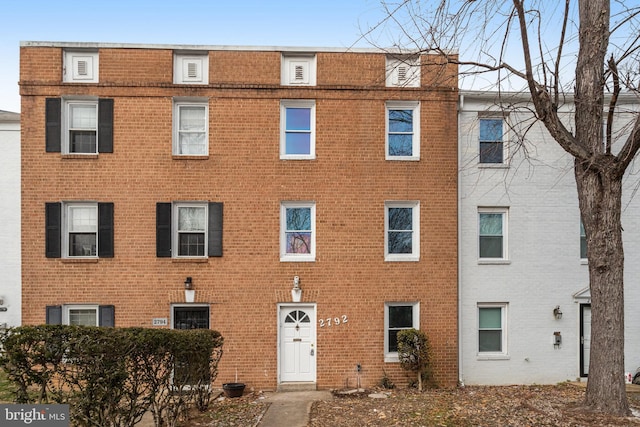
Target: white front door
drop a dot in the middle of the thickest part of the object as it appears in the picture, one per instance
(585, 338)
(297, 343)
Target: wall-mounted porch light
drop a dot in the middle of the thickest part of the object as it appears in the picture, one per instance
(296, 291)
(189, 292)
(557, 313)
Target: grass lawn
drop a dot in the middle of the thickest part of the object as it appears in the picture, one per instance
(6, 388)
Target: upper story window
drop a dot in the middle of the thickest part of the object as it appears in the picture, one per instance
(297, 129)
(189, 229)
(80, 67)
(298, 70)
(190, 127)
(297, 231)
(191, 68)
(398, 316)
(79, 125)
(492, 147)
(403, 130)
(403, 71)
(79, 230)
(492, 234)
(402, 231)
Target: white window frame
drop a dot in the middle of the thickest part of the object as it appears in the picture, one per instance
(393, 356)
(194, 61)
(175, 238)
(505, 139)
(289, 257)
(403, 71)
(178, 104)
(67, 309)
(66, 123)
(415, 237)
(80, 66)
(66, 232)
(487, 355)
(298, 70)
(404, 105)
(297, 103)
(504, 259)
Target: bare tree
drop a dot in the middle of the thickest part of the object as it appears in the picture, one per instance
(587, 47)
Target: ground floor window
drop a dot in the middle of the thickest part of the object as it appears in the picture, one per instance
(492, 336)
(398, 316)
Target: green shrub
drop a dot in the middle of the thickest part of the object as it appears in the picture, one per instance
(414, 352)
(112, 376)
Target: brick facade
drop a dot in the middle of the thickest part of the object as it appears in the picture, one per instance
(349, 180)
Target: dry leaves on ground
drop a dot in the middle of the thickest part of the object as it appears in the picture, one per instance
(513, 406)
(556, 405)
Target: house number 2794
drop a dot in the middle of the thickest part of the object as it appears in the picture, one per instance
(333, 321)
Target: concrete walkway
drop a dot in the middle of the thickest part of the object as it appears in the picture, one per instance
(291, 408)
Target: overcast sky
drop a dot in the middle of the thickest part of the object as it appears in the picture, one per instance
(313, 23)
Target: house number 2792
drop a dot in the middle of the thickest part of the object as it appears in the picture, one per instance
(333, 321)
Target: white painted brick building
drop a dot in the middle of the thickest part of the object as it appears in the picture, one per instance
(10, 281)
(520, 250)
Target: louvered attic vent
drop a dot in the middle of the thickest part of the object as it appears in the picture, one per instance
(299, 73)
(403, 70)
(82, 68)
(192, 70)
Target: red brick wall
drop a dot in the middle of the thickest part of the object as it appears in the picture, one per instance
(349, 181)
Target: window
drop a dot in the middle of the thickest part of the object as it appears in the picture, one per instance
(492, 232)
(298, 70)
(191, 68)
(80, 67)
(583, 242)
(403, 71)
(403, 131)
(81, 315)
(398, 316)
(79, 230)
(491, 140)
(190, 128)
(189, 229)
(297, 129)
(491, 329)
(79, 126)
(402, 231)
(297, 231)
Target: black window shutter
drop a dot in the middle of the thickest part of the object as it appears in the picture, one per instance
(215, 229)
(105, 125)
(54, 315)
(53, 225)
(163, 230)
(105, 230)
(107, 315)
(53, 117)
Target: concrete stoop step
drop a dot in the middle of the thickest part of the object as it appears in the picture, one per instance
(297, 386)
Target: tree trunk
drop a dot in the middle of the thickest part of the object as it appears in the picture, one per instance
(599, 194)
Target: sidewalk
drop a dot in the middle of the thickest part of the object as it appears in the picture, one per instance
(291, 408)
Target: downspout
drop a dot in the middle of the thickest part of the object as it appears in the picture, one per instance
(460, 370)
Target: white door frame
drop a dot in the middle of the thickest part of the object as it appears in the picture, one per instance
(310, 309)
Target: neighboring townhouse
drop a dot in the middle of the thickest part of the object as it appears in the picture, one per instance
(524, 285)
(10, 297)
(301, 201)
